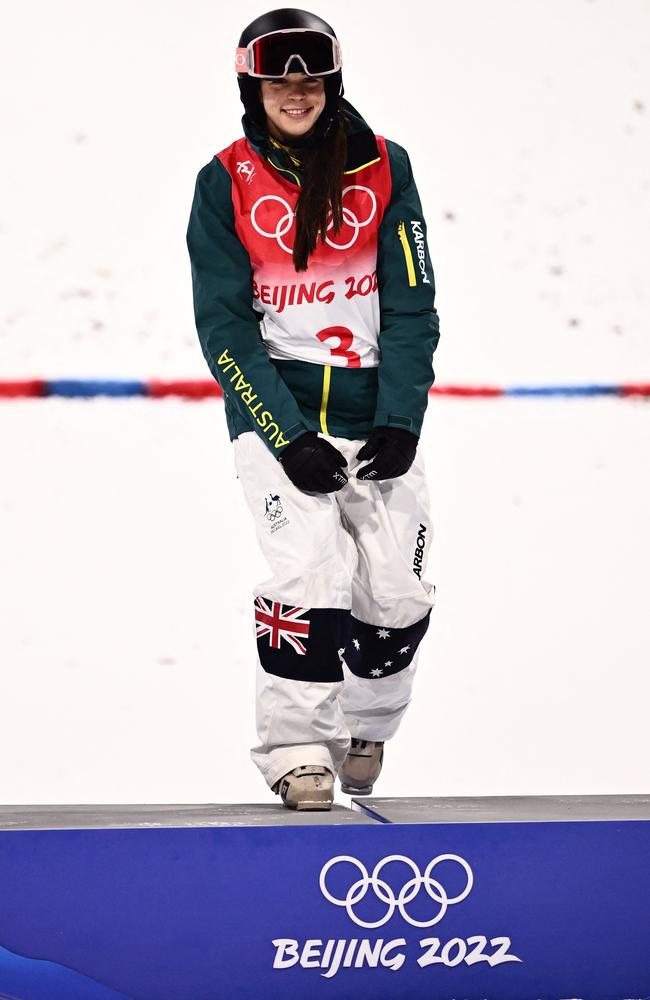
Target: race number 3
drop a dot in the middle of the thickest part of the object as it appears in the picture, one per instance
(342, 349)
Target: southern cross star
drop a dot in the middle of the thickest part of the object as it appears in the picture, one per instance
(377, 672)
(383, 633)
(355, 643)
(405, 649)
(388, 663)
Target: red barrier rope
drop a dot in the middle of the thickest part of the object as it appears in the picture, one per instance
(22, 387)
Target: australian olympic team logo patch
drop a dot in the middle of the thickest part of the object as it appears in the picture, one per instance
(273, 507)
(274, 512)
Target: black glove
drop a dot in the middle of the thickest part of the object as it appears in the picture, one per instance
(313, 464)
(392, 449)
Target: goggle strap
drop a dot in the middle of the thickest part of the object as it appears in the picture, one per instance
(241, 60)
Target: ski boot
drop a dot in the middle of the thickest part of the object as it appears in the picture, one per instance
(308, 787)
(361, 767)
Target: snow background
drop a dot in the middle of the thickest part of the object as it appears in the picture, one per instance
(127, 556)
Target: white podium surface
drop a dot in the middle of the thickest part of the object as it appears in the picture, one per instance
(507, 809)
(90, 817)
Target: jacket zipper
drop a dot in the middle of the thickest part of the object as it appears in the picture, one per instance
(284, 170)
(410, 269)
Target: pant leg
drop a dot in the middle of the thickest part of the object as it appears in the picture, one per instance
(390, 523)
(301, 615)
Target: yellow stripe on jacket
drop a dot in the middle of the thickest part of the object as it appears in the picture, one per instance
(327, 374)
(401, 232)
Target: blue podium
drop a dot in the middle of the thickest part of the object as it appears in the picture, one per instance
(516, 898)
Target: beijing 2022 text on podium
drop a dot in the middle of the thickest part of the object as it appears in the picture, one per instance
(531, 898)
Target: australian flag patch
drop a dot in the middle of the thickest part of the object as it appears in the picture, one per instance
(375, 651)
(300, 644)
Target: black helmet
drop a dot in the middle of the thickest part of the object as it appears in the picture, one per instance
(275, 20)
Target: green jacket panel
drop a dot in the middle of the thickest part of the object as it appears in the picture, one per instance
(228, 327)
(409, 331)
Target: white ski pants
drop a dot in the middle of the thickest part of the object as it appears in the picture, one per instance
(339, 622)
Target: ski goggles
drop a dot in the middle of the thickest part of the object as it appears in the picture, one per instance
(270, 55)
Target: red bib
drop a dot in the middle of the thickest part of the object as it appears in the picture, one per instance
(328, 314)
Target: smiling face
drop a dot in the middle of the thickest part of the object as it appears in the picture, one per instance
(292, 104)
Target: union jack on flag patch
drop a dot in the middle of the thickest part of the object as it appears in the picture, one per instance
(273, 620)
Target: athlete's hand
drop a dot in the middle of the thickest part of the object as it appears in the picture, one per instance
(392, 450)
(313, 464)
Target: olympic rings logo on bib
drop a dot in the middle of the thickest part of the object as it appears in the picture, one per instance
(285, 221)
(383, 891)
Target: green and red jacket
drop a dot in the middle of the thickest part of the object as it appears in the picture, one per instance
(340, 348)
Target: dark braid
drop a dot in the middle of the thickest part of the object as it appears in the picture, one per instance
(323, 167)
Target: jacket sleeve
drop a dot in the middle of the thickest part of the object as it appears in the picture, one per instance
(409, 328)
(226, 322)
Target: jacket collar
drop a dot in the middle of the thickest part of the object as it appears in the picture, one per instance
(362, 144)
